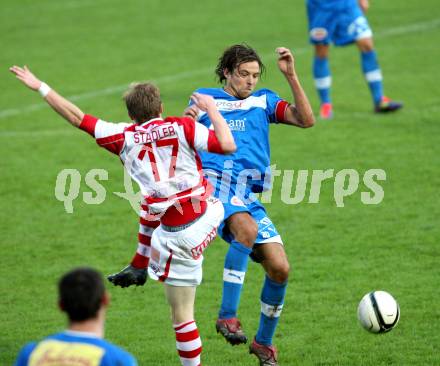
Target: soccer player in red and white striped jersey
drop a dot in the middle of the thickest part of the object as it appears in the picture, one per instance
(179, 218)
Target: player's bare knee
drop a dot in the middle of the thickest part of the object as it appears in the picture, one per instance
(365, 44)
(280, 273)
(247, 234)
(321, 50)
(244, 228)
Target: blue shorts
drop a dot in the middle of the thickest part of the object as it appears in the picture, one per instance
(341, 26)
(239, 198)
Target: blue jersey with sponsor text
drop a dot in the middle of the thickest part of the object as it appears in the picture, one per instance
(73, 349)
(249, 121)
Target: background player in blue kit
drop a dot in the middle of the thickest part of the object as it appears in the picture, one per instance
(343, 22)
(247, 227)
(83, 298)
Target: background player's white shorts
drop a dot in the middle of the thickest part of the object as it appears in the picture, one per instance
(176, 257)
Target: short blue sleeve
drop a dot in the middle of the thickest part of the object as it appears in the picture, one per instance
(272, 105)
(23, 356)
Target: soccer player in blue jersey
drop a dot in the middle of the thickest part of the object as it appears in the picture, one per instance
(247, 227)
(343, 22)
(83, 298)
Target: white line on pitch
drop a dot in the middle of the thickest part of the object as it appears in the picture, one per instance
(410, 28)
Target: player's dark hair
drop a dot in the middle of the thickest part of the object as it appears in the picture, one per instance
(143, 102)
(234, 56)
(81, 292)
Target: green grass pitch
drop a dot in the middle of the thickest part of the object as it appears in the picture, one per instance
(91, 50)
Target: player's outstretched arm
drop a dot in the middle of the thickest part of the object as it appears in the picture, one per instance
(300, 113)
(62, 106)
(223, 133)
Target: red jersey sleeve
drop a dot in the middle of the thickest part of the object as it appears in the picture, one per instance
(110, 136)
(213, 143)
(88, 124)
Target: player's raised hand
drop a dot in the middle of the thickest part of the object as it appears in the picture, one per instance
(286, 62)
(26, 77)
(192, 111)
(203, 101)
(206, 103)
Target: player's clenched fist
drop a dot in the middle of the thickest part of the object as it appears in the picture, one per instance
(203, 101)
(285, 61)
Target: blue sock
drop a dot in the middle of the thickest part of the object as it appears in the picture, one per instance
(373, 75)
(323, 79)
(236, 263)
(272, 300)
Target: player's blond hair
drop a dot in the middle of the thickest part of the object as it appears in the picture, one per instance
(143, 101)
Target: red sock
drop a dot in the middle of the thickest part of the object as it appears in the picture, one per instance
(188, 343)
(142, 256)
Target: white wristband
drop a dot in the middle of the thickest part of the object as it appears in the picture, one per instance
(44, 89)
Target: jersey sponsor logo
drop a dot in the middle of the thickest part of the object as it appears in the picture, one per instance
(197, 251)
(237, 201)
(237, 124)
(154, 134)
(54, 352)
(229, 105)
(318, 34)
(245, 104)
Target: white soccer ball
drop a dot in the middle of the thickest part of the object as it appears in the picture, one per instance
(378, 312)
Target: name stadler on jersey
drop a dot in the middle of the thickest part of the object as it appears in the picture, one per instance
(153, 135)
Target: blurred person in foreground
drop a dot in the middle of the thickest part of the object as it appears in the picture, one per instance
(83, 298)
